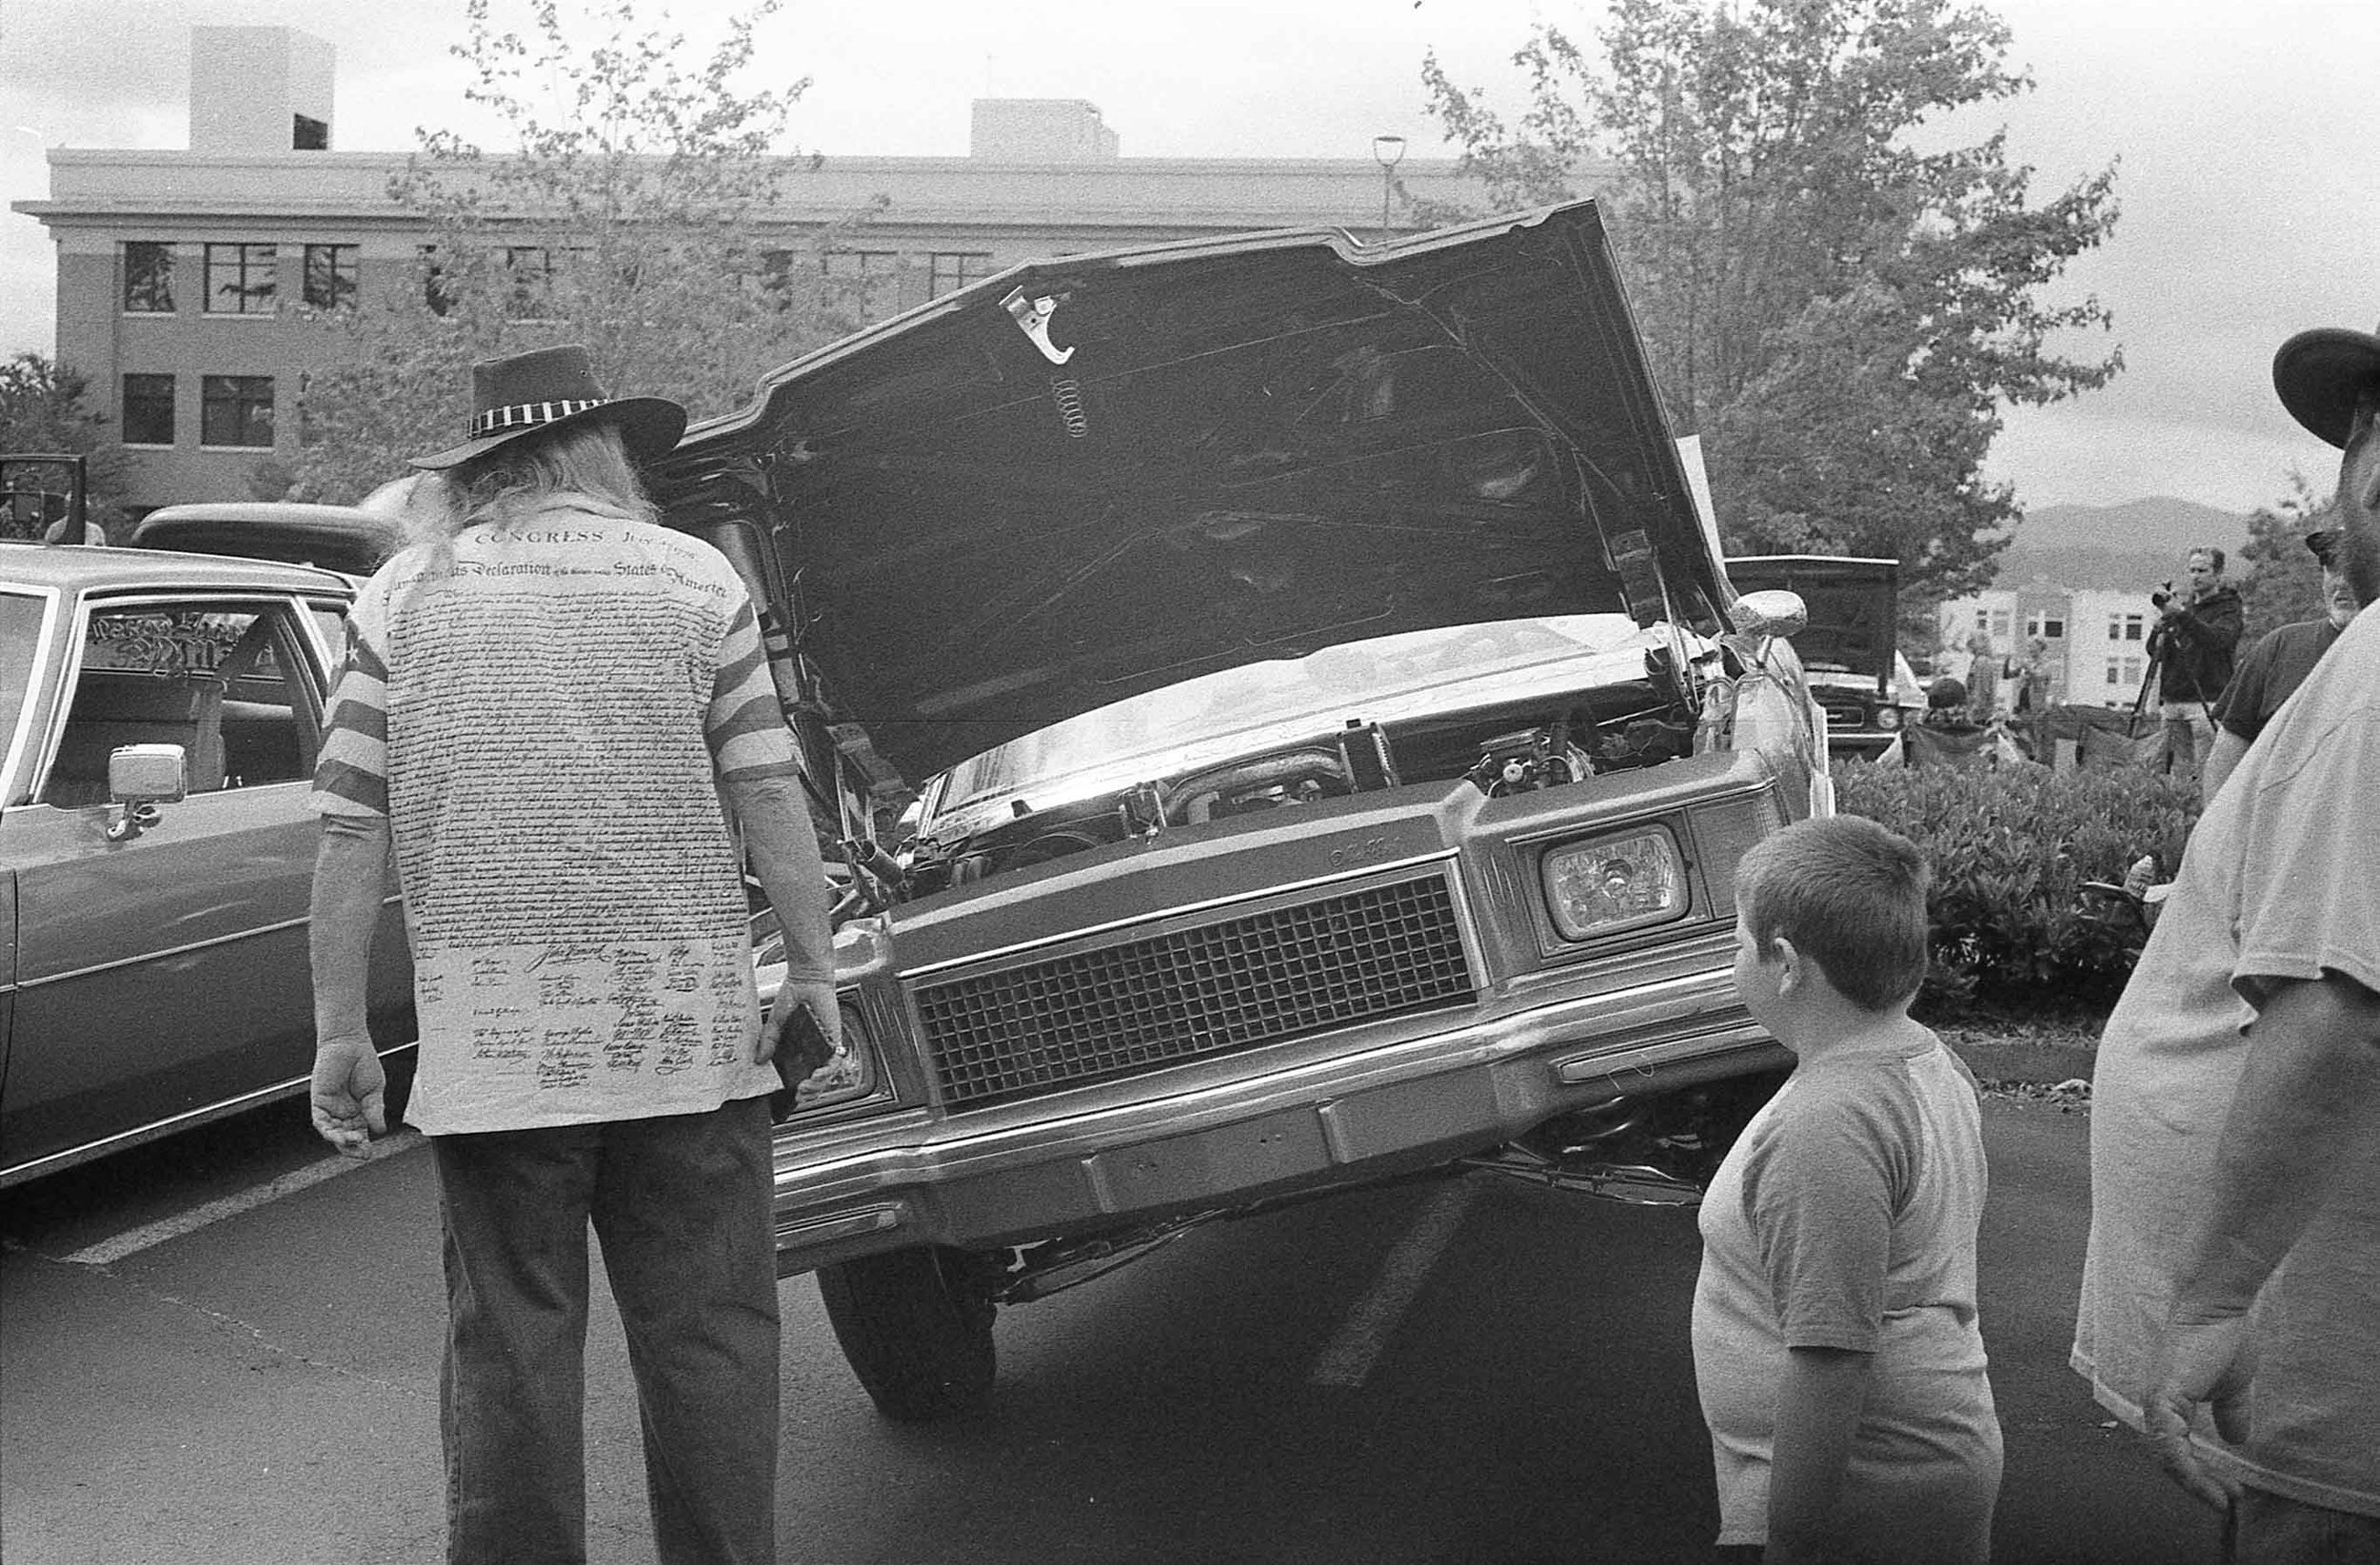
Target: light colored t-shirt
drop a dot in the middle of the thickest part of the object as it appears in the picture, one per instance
(1845, 1216)
(2282, 880)
(545, 720)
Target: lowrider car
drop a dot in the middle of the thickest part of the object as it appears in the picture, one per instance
(1327, 733)
(159, 717)
(1850, 647)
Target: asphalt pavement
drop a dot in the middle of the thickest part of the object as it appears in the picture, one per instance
(1466, 1372)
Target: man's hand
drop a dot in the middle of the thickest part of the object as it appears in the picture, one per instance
(2204, 1361)
(349, 1088)
(818, 998)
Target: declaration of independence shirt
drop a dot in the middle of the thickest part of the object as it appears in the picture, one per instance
(545, 720)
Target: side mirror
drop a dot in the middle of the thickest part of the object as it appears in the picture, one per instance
(140, 778)
(1775, 612)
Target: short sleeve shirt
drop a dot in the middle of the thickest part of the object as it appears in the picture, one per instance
(545, 719)
(2282, 880)
(2270, 673)
(1845, 1216)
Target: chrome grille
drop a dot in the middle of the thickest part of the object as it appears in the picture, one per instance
(1260, 978)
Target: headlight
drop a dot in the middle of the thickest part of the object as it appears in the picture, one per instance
(1610, 883)
(1888, 717)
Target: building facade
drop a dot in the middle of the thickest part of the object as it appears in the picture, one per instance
(185, 277)
(2097, 639)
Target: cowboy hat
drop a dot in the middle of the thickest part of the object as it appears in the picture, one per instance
(552, 389)
(2320, 373)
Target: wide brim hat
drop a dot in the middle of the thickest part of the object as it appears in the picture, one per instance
(2323, 543)
(550, 389)
(2320, 373)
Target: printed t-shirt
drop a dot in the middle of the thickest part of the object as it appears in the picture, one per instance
(2270, 672)
(2282, 880)
(545, 719)
(1845, 1216)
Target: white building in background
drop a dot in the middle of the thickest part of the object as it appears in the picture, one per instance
(2099, 639)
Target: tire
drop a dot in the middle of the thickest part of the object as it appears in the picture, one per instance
(917, 1328)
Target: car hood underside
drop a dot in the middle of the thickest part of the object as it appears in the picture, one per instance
(1252, 448)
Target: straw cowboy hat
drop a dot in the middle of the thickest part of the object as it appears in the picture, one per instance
(548, 389)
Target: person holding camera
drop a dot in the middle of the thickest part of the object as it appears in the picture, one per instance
(2191, 650)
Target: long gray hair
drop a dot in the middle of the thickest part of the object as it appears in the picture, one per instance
(586, 468)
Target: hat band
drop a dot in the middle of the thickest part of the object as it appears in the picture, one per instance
(523, 415)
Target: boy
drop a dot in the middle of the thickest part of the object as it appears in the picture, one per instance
(1836, 1346)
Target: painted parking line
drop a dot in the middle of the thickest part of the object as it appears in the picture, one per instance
(134, 1240)
(1347, 1359)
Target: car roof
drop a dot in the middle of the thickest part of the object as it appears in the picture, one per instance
(78, 567)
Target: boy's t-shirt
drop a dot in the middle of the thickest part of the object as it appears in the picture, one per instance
(1845, 1216)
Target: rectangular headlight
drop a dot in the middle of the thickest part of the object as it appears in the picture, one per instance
(1607, 884)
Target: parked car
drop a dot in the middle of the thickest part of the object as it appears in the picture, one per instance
(159, 717)
(1327, 735)
(1851, 648)
(346, 539)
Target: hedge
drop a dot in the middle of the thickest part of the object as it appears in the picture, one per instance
(2011, 930)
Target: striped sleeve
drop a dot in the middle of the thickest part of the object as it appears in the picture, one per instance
(351, 777)
(747, 728)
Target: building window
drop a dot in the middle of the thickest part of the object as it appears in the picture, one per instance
(2043, 626)
(240, 278)
(865, 282)
(955, 269)
(148, 277)
(2133, 671)
(235, 410)
(2116, 673)
(147, 413)
(2125, 627)
(330, 272)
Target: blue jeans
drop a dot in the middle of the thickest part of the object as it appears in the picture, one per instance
(680, 1206)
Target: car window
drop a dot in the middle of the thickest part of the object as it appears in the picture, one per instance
(331, 624)
(1369, 679)
(217, 678)
(20, 641)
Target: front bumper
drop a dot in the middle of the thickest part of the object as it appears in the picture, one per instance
(1357, 1116)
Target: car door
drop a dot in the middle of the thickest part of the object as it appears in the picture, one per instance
(163, 976)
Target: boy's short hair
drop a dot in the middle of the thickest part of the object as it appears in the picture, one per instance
(1851, 898)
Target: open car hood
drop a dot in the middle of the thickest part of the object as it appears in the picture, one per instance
(1853, 603)
(1091, 477)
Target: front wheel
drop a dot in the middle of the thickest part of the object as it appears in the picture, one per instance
(915, 1326)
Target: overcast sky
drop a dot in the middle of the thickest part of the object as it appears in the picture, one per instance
(2247, 131)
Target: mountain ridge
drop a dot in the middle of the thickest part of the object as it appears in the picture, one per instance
(2134, 543)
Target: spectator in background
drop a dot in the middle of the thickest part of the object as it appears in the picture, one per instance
(1983, 679)
(2273, 667)
(2197, 628)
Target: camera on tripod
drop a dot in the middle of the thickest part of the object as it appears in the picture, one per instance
(2163, 595)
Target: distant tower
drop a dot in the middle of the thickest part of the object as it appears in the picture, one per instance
(259, 89)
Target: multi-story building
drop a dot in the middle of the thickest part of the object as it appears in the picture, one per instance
(183, 276)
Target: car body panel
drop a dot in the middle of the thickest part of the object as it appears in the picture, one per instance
(161, 979)
(1252, 448)
(342, 538)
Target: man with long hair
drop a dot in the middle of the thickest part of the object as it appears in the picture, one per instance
(559, 714)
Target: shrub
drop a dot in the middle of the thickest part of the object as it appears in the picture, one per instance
(2011, 850)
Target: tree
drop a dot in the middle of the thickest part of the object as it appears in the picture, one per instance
(2278, 577)
(1841, 315)
(633, 214)
(43, 408)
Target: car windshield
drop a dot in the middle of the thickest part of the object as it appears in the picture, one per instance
(1368, 681)
(20, 640)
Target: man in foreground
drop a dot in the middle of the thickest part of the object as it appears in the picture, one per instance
(546, 699)
(2235, 1119)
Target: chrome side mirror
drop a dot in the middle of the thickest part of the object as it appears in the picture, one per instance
(1775, 612)
(140, 778)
